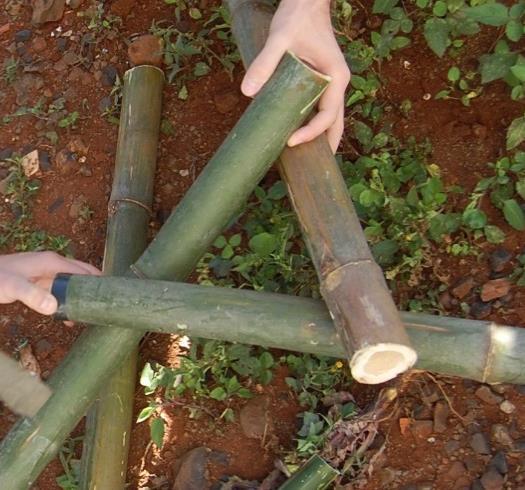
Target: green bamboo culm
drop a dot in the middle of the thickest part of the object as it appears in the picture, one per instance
(223, 187)
(352, 284)
(232, 174)
(479, 350)
(108, 423)
(315, 474)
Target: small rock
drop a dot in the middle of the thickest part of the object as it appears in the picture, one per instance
(45, 161)
(499, 258)
(485, 394)
(500, 435)
(76, 207)
(447, 301)
(499, 462)
(85, 171)
(451, 447)
(495, 289)
(476, 485)
(480, 310)
(30, 163)
(441, 411)
(104, 104)
(473, 463)
(146, 50)
(455, 470)
(122, 8)
(62, 43)
(519, 446)
(109, 75)
(463, 287)
(479, 443)
(78, 146)
(254, 417)
(29, 361)
(70, 58)
(23, 36)
(6, 153)
(507, 407)
(492, 480)
(422, 428)
(47, 11)
(65, 162)
(192, 471)
(226, 102)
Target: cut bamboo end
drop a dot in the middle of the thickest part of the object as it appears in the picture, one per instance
(381, 362)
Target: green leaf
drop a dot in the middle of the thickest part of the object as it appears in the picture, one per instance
(277, 191)
(475, 219)
(266, 360)
(518, 71)
(520, 188)
(514, 214)
(235, 240)
(218, 393)
(147, 375)
(494, 234)
(491, 14)
(385, 251)
(383, 6)
(514, 30)
(183, 93)
(400, 42)
(516, 133)
(145, 414)
(436, 33)
(422, 3)
(263, 244)
(363, 133)
(517, 10)
(442, 94)
(495, 66)
(454, 74)
(220, 242)
(201, 69)
(157, 432)
(195, 13)
(440, 9)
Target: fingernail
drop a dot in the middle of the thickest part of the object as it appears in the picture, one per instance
(294, 141)
(49, 305)
(250, 87)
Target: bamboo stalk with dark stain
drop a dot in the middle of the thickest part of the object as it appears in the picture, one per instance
(352, 284)
(478, 350)
(220, 192)
(315, 474)
(109, 421)
(88, 367)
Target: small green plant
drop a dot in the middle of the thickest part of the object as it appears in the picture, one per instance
(462, 84)
(390, 37)
(100, 21)
(70, 480)
(10, 70)
(69, 120)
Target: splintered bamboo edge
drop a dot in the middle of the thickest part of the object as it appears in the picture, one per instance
(381, 362)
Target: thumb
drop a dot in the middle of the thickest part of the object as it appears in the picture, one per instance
(34, 297)
(262, 67)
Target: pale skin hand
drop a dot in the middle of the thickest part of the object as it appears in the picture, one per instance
(27, 277)
(304, 28)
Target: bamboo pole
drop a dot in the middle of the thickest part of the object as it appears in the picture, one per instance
(109, 421)
(21, 392)
(227, 181)
(352, 284)
(315, 474)
(482, 351)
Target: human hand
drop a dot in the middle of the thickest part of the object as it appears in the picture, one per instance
(27, 277)
(304, 28)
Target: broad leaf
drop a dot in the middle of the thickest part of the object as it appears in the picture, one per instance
(474, 218)
(437, 35)
(494, 234)
(514, 30)
(516, 133)
(491, 14)
(157, 432)
(495, 66)
(383, 6)
(263, 244)
(514, 214)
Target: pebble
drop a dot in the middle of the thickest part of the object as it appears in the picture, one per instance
(146, 50)
(65, 162)
(422, 428)
(476, 485)
(499, 462)
(62, 44)
(463, 287)
(507, 407)
(519, 445)
(226, 102)
(23, 36)
(6, 153)
(485, 394)
(45, 160)
(191, 473)
(479, 443)
(495, 289)
(447, 301)
(480, 310)
(104, 104)
(254, 417)
(492, 480)
(455, 470)
(451, 446)
(441, 412)
(109, 75)
(499, 258)
(500, 435)
(85, 171)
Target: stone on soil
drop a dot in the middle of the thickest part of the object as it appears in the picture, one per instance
(494, 289)
(485, 394)
(500, 435)
(226, 102)
(463, 287)
(479, 443)
(47, 11)
(441, 411)
(499, 462)
(492, 480)
(480, 310)
(192, 471)
(507, 407)
(254, 417)
(499, 258)
(422, 428)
